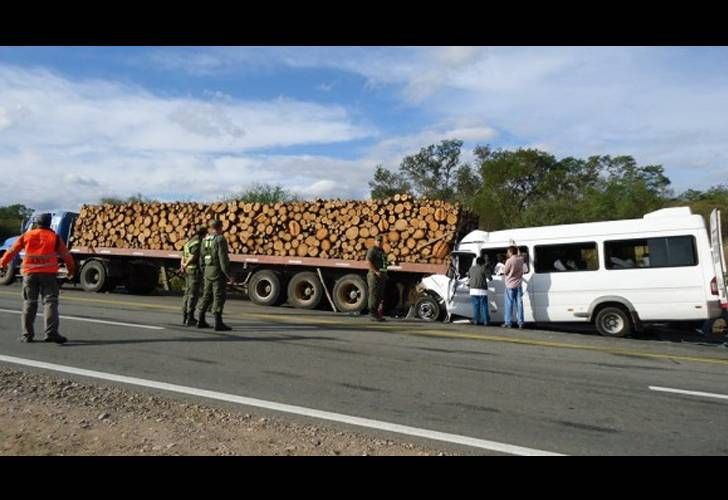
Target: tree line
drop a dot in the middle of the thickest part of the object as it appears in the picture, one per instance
(506, 188)
(529, 187)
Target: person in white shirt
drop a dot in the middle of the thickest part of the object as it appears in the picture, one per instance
(498, 270)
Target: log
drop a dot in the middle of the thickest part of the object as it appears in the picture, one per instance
(321, 228)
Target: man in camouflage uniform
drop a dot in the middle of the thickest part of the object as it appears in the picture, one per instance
(190, 266)
(376, 279)
(215, 263)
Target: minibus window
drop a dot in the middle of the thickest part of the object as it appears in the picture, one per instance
(464, 263)
(568, 257)
(672, 251)
(496, 256)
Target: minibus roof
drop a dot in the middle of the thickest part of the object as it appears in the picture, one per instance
(666, 219)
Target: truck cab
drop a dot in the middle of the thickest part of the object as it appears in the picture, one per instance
(62, 223)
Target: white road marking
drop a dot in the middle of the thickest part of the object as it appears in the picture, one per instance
(689, 393)
(286, 408)
(102, 321)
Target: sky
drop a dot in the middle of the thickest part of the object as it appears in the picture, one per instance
(200, 123)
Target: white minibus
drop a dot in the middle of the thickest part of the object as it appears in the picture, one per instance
(617, 274)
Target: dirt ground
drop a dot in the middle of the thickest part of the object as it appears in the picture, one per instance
(49, 415)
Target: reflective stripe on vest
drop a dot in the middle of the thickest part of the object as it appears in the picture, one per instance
(41, 254)
(208, 251)
(189, 249)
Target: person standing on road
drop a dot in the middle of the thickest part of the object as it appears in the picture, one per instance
(215, 262)
(42, 248)
(376, 279)
(513, 272)
(190, 266)
(479, 277)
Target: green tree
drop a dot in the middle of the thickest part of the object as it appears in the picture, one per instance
(529, 187)
(623, 189)
(703, 202)
(11, 217)
(435, 171)
(386, 183)
(520, 187)
(263, 193)
(136, 198)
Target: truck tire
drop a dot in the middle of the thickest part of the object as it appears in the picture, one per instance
(8, 277)
(305, 291)
(93, 276)
(143, 278)
(427, 308)
(613, 321)
(350, 294)
(264, 288)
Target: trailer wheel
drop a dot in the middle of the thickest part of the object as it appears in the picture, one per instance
(264, 288)
(428, 309)
(7, 277)
(143, 278)
(350, 293)
(93, 276)
(305, 290)
(613, 321)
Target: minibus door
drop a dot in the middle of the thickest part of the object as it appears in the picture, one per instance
(458, 301)
(716, 247)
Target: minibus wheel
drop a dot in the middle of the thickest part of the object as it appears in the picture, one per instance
(613, 321)
(427, 309)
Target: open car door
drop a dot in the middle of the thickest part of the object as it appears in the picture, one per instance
(458, 297)
(716, 246)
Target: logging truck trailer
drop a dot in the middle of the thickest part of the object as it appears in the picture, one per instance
(302, 282)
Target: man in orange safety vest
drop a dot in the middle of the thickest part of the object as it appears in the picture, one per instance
(43, 247)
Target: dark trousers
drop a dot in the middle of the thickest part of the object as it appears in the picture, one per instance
(44, 285)
(213, 292)
(481, 314)
(192, 291)
(376, 293)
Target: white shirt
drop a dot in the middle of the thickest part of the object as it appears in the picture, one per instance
(478, 291)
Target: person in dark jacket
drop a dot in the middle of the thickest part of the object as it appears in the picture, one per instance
(479, 277)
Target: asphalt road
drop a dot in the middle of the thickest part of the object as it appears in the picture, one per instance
(553, 391)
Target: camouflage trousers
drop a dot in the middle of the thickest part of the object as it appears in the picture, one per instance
(376, 286)
(192, 291)
(214, 291)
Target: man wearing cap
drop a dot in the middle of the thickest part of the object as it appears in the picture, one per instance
(190, 266)
(215, 262)
(42, 248)
(376, 279)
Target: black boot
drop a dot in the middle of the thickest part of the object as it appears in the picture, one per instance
(57, 338)
(201, 323)
(191, 321)
(219, 325)
(185, 318)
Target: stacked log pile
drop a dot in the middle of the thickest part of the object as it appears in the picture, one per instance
(415, 230)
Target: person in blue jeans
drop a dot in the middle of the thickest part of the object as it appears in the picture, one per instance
(479, 277)
(513, 278)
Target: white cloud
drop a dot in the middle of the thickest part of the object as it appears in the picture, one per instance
(390, 151)
(659, 104)
(63, 113)
(66, 142)
(319, 189)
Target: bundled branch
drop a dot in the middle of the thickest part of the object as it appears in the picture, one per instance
(415, 230)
